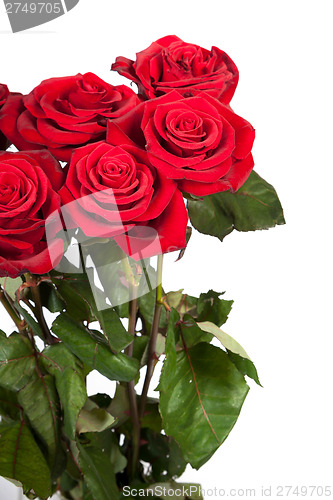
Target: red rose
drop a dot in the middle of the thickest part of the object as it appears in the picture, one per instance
(169, 63)
(29, 182)
(4, 93)
(63, 113)
(118, 191)
(197, 141)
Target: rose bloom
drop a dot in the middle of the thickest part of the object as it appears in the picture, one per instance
(169, 63)
(63, 113)
(29, 182)
(4, 93)
(198, 141)
(114, 191)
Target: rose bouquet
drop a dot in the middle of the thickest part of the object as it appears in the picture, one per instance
(96, 184)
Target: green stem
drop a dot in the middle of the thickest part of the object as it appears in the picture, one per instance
(38, 310)
(153, 336)
(159, 290)
(128, 271)
(11, 311)
(133, 290)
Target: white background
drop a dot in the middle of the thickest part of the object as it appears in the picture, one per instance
(281, 279)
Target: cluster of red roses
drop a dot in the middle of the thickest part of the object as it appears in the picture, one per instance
(129, 158)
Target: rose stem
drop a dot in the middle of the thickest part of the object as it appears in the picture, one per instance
(11, 311)
(153, 336)
(132, 318)
(133, 289)
(38, 310)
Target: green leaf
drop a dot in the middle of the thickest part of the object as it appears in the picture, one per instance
(192, 334)
(235, 351)
(17, 361)
(152, 418)
(188, 305)
(57, 357)
(32, 323)
(72, 391)
(211, 308)
(95, 355)
(254, 206)
(67, 483)
(120, 408)
(72, 466)
(160, 345)
(94, 420)
(118, 337)
(170, 363)
(76, 292)
(177, 464)
(51, 298)
(140, 349)
(102, 400)
(118, 460)
(39, 400)
(201, 398)
(226, 340)
(164, 455)
(9, 407)
(98, 473)
(22, 460)
(113, 328)
(70, 383)
(108, 441)
(86, 495)
(208, 307)
(174, 299)
(11, 285)
(245, 366)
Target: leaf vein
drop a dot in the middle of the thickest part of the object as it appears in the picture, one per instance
(197, 389)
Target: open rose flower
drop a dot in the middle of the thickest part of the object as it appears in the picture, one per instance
(114, 191)
(29, 182)
(4, 93)
(169, 63)
(63, 113)
(198, 141)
